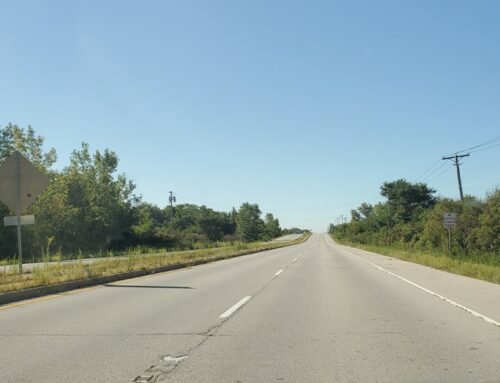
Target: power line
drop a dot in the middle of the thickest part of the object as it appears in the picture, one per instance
(430, 167)
(430, 175)
(491, 141)
(489, 147)
(440, 174)
(306, 209)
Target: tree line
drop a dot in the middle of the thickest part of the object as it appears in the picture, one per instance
(412, 216)
(89, 206)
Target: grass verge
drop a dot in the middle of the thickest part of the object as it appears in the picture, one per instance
(485, 267)
(53, 273)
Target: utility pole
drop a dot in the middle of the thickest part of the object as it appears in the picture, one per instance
(455, 158)
(171, 199)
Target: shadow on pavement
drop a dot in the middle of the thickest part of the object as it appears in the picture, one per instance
(151, 287)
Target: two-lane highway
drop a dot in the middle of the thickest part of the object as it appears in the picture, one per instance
(316, 312)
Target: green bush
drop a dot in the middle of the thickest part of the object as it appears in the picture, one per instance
(417, 223)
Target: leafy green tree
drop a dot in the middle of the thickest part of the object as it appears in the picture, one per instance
(148, 218)
(55, 218)
(413, 217)
(202, 223)
(183, 218)
(103, 202)
(486, 235)
(7, 236)
(366, 210)
(404, 198)
(249, 225)
(12, 137)
(272, 227)
(211, 223)
(355, 215)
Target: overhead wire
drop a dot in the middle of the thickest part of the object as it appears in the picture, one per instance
(429, 176)
(486, 148)
(491, 141)
(319, 208)
(440, 174)
(428, 169)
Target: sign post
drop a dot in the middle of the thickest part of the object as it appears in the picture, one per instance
(20, 183)
(18, 212)
(449, 222)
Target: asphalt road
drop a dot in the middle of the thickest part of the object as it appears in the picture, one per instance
(289, 237)
(314, 312)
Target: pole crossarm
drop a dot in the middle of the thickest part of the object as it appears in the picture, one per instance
(458, 156)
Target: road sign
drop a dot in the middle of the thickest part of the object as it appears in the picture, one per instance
(20, 179)
(24, 220)
(20, 184)
(449, 220)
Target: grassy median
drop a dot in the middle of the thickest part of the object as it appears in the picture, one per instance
(479, 266)
(53, 273)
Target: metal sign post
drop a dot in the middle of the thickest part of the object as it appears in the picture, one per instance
(449, 241)
(18, 212)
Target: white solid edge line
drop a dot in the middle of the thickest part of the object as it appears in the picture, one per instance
(450, 301)
(278, 272)
(232, 309)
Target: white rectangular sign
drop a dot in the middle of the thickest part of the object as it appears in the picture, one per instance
(449, 220)
(25, 220)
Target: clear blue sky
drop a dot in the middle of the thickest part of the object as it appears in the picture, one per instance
(304, 107)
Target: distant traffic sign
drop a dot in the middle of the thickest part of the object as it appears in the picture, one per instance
(20, 179)
(449, 220)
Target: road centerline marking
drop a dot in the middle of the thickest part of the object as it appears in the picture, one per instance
(278, 272)
(448, 300)
(235, 307)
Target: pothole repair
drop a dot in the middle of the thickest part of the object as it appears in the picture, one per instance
(156, 373)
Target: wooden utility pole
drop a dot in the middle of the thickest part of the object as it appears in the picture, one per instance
(455, 158)
(172, 199)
